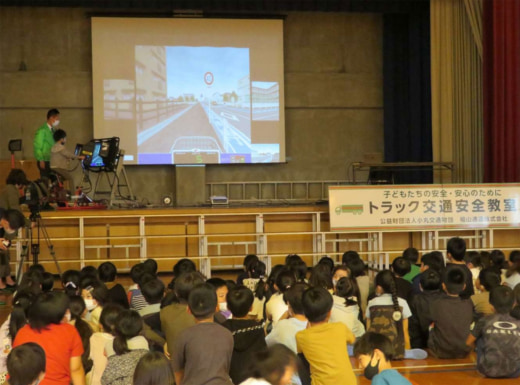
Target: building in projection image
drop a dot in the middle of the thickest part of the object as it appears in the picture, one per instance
(266, 101)
(118, 98)
(150, 87)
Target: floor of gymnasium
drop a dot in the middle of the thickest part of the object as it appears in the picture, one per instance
(422, 372)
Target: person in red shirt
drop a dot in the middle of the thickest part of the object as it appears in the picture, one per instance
(60, 341)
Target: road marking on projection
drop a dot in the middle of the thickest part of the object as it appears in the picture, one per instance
(229, 116)
(145, 135)
(234, 140)
(239, 114)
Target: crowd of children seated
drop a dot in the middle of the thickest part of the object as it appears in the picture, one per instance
(285, 328)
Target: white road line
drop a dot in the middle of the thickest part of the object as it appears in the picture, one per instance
(145, 135)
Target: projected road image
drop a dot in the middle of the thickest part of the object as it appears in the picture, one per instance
(205, 115)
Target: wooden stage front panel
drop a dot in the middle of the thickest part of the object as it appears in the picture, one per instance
(219, 238)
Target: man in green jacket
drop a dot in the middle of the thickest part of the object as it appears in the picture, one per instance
(43, 142)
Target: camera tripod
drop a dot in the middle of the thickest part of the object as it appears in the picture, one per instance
(35, 245)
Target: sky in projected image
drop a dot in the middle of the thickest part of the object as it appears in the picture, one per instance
(186, 67)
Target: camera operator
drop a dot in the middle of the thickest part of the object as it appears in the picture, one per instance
(10, 223)
(10, 197)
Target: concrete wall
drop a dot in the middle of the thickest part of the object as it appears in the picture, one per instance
(333, 88)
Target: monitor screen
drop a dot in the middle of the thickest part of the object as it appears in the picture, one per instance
(185, 91)
(78, 149)
(97, 160)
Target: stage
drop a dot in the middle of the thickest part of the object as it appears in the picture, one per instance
(218, 238)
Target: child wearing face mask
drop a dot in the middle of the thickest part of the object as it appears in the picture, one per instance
(374, 352)
(221, 289)
(95, 295)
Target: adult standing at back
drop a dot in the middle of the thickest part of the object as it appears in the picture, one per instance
(43, 142)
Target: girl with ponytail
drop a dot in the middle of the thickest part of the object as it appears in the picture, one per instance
(276, 307)
(78, 310)
(258, 284)
(127, 329)
(16, 320)
(388, 314)
(345, 307)
(125, 351)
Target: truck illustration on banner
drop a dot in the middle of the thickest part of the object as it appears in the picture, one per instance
(349, 209)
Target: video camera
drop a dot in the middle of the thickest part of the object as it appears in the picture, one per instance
(100, 154)
(36, 197)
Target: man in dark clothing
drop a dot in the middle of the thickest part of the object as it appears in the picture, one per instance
(248, 335)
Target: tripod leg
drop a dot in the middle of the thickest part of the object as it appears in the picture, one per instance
(19, 271)
(50, 246)
(25, 254)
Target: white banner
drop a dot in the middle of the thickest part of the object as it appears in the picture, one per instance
(394, 207)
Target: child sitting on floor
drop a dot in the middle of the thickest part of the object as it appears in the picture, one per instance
(497, 338)
(202, 353)
(222, 290)
(248, 334)
(487, 280)
(275, 308)
(124, 352)
(107, 272)
(451, 317)
(107, 322)
(324, 344)
(95, 296)
(285, 330)
(418, 327)
(26, 364)
(274, 366)
(374, 352)
(346, 307)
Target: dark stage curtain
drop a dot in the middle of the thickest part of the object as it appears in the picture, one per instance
(407, 93)
(501, 21)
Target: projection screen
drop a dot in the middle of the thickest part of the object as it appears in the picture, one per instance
(190, 91)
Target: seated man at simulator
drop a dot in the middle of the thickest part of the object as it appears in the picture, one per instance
(64, 162)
